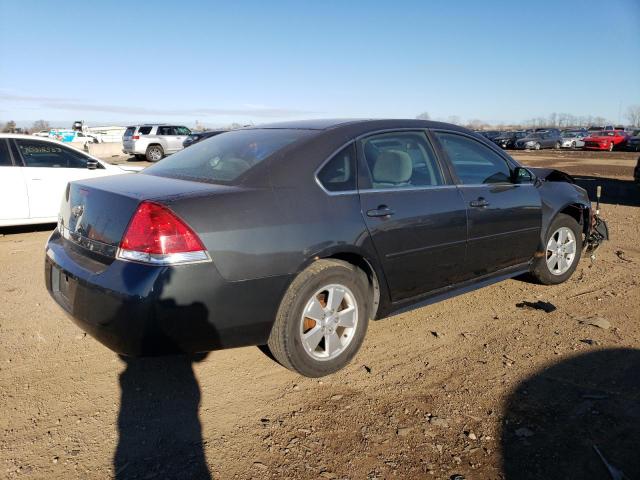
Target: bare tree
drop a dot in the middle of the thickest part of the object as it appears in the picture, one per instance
(633, 115)
(9, 127)
(39, 125)
(424, 116)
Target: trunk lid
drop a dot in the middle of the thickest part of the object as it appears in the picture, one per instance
(95, 213)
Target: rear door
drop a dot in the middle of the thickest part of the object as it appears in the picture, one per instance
(48, 167)
(504, 217)
(414, 214)
(14, 202)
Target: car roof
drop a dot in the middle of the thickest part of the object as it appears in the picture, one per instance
(358, 124)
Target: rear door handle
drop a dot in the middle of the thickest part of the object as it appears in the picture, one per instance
(381, 211)
(479, 203)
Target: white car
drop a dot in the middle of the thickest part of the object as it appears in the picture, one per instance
(34, 173)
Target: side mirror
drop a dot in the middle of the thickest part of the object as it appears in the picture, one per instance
(522, 175)
(92, 164)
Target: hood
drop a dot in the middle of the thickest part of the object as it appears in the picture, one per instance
(551, 175)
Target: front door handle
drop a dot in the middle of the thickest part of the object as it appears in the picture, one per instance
(381, 211)
(479, 203)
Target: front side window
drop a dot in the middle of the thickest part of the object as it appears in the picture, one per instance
(181, 131)
(339, 173)
(401, 160)
(224, 158)
(49, 155)
(474, 163)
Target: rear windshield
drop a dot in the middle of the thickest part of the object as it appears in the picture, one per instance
(223, 158)
(129, 131)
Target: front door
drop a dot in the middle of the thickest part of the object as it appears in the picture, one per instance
(48, 167)
(416, 218)
(504, 217)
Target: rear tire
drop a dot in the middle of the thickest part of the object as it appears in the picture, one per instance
(154, 153)
(309, 335)
(563, 247)
(557, 147)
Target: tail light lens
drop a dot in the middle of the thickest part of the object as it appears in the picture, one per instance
(158, 236)
(135, 137)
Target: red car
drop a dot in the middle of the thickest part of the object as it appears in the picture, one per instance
(606, 140)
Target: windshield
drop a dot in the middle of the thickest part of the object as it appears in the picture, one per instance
(569, 134)
(224, 157)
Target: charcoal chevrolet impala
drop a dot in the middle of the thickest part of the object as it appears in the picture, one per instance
(295, 235)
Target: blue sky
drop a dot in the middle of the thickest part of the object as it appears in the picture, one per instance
(256, 61)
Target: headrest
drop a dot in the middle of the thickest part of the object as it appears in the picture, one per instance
(392, 166)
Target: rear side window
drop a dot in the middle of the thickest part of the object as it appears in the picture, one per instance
(165, 131)
(144, 130)
(339, 173)
(49, 155)
(473, 162)
(5, 158)
(224, 158)
(401, 160)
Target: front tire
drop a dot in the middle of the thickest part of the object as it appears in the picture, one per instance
(563, 247)
(536, 146)
(322, 319)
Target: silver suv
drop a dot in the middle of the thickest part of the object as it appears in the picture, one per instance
(153, 141)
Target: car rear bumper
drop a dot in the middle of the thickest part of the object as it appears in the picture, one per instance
(142, 310)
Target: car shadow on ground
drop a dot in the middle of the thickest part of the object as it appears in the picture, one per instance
(614, 190)
(160, 435)
(558, 420)
(43, 227)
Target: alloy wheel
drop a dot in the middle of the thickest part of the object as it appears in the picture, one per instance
(561, 251)
(328, 322)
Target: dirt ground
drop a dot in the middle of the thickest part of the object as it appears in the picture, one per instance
(474, 386)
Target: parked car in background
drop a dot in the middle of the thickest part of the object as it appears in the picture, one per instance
(606, 140)
(489, 134)
(195, 254)
(555, 131)
(196, 137)
(154, 141)
(539, 140)
(594, 128)
(633, 143)
(507, 140)
(636, 172)
(34, 173)
(573, 138)
(41, 133)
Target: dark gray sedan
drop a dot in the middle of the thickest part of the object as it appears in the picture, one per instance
(540, 140)
(296, 235)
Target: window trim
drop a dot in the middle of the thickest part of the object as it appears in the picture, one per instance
(511, 163)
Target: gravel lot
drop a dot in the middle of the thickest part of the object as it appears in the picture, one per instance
(475, 385)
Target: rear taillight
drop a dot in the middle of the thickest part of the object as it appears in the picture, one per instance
(135, 137)
(157, 235)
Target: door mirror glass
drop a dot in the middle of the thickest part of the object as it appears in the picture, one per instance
(92, 164)
(522, 175)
